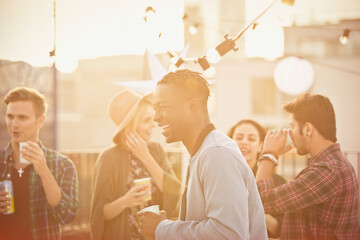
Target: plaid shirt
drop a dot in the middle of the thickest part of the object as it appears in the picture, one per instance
(45, 220)
(322, 202)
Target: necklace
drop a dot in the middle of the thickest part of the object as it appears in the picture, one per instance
(20, 171)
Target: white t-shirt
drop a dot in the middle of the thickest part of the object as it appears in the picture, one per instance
(223, 201)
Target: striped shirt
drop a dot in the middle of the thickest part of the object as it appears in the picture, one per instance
(322, 202)
(45, 220)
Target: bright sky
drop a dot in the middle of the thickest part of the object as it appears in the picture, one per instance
(87, 29)
(267, 39)
(93, 28)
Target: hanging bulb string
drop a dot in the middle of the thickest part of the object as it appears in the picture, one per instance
(228, 40)
(253, 21)
(321, 28)
(229, 43)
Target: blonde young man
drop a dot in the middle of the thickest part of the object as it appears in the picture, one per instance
(45, 188)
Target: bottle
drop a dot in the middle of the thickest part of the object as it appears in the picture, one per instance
(7, 186)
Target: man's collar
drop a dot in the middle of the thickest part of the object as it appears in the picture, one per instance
(329, 150)
(8, 151)
(202, 137)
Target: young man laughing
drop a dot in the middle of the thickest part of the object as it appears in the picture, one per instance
(220, 199)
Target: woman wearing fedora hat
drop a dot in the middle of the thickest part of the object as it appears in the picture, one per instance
(116, 200)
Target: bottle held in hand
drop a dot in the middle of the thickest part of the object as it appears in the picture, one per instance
(7, 186)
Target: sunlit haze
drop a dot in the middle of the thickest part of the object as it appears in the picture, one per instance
(87, 29)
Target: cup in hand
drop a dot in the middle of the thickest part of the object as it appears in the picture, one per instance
(288, 139)
(144, 182)
(153, 208)
(22, 160)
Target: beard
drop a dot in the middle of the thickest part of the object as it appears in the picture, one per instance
(300, 148)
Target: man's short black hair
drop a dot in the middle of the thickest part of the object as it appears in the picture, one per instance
(191, 82)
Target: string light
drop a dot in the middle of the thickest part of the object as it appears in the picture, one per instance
(179, 62)
(214, 55)
(149, 13)
(344, 38)
(193, 29)
(288, 2)
(254, 26)
(175, 65)
(171, 54)
(209, 71)
(175, 61)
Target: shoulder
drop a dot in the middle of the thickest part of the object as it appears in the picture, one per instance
(220, 155)
(59, 164)
(218, 139)
(320, 171)
(111, 154)
(112, 151)
(52, 155)
(220, 152)
(219, 146)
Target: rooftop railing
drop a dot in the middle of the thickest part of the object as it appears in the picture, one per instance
(289, 166)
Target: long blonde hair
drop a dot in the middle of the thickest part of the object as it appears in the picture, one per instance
(132, 126)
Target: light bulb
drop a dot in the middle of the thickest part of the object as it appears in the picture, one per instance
(66, 64)
(210, 72)
(172, 68)
(344, 40)
(288, 2)
(213, 55)
(174, 59)
(192, 30)
(293, 75)
(149, 14)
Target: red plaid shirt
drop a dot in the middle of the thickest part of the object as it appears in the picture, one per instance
(322, 202)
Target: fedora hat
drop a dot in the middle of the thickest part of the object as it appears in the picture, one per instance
(122, 108)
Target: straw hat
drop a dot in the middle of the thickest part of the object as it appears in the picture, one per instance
(122, 108)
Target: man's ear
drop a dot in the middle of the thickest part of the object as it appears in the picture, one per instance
(194, 104)
(41, 121)
(308, 129)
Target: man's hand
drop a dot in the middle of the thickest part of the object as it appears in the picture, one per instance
(5, 202)
(275, 142)
(34, 154)
(149, 221)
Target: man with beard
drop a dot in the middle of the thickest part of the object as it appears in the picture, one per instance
(322, 201)
(220, 199)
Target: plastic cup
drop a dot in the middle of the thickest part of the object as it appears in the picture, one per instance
(153, 208)
(288, 139)
(144, 182)
(22, 160)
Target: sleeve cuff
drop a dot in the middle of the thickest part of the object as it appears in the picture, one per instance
(61, 212)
